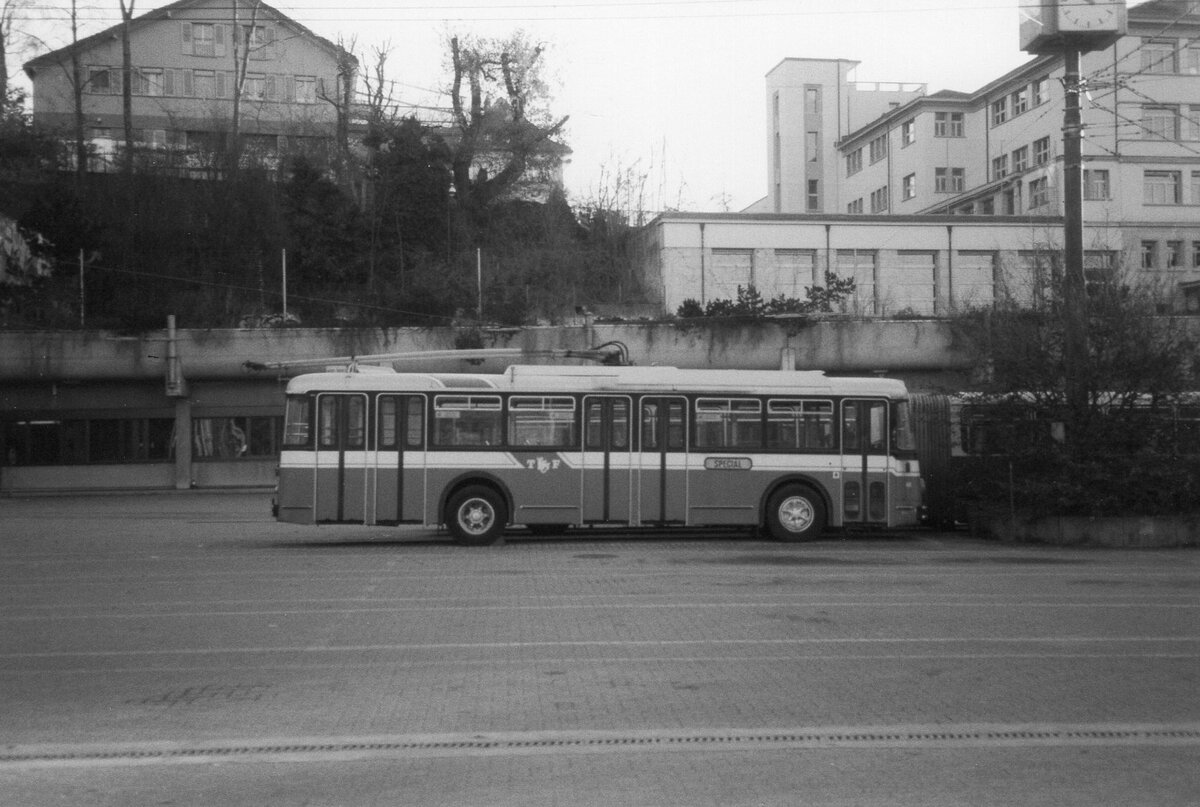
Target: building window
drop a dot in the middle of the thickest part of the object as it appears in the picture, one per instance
(812, 146)
(855, 207)
(204, 84)
(1041, 151)
(949, 180)
(255, 87)
(1191, 123)
(1158, 56)
(1020, 101)
(1161, 188)
(812, 101)
(1160, 122)
(1191, 60)
(151, 138)
(908, 133)
(1175, 257)
(100, 80)
(1196, 254)
(1195, 198)
(1095, 184)
(1039, 192)
(1149, 249)
(306, 89)
(1039, 91)
(75, 442)
(999, 111)
(879, 200)
(147, 82)
(814, 196)
(1000, 166)
(1020, 159)
(203, 39)
(908, 187)
(230, 438)
(854, 162)
(948, 124)
(878, 148)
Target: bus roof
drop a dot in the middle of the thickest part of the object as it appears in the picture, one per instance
(582, 378)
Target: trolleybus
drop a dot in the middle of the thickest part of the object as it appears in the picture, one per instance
(552, 447)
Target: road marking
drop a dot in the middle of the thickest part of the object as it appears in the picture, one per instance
(586, 643)
(43, 616)
(703, 740)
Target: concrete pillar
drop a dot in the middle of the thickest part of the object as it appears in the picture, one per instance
(183, 443)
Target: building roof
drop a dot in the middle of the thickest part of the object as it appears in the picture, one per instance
(56, 57)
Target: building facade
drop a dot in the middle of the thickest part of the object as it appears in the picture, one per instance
(838, 147)
(902, 266)
(190, 59)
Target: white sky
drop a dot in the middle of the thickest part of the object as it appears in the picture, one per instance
(671, 88)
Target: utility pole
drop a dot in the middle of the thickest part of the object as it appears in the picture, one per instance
(1075, 288)
(1070, 28)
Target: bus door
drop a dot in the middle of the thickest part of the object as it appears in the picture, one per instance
(341, 458)
(864, 461)
(608, 459)
(662, 460)
(398, 494)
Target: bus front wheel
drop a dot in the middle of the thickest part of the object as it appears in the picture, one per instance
(476, 516)
(795, 513)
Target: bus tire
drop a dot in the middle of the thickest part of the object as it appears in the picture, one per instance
(476, 515)
(795, 513)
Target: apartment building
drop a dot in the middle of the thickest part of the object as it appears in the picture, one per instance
(997, 151)
(188, 60)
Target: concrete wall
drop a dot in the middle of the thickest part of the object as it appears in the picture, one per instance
(840, 345)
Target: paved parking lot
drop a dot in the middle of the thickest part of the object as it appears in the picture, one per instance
(185, 649)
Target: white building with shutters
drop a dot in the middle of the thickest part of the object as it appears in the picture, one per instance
(837, 146)
(188, 60)
(917, 266)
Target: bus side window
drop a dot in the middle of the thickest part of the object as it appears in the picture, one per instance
(327, 418)
(850, 428)
(620, 424)
(675, 425)
(387, 421)
(414, 434)
(649, 426)
(356, 421)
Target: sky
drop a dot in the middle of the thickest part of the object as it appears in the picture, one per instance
(670, 91)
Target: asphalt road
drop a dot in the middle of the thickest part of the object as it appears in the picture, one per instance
(184, 649)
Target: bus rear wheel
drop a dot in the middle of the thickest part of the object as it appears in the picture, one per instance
(476, 516)
(795, 513)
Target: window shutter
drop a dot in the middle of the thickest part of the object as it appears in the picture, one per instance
(189, 87)
(271, 89)
(289, 89)
(118, 75)
(222, 84)
(168, 82)
(186, 32)
(269, 33)
(219, 40)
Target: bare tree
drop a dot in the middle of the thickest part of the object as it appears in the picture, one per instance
(243, 42)
(9, 11)
(500, 116)
(81, 151)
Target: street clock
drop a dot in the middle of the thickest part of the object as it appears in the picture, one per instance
(1049, 26)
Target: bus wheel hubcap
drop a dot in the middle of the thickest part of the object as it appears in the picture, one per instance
(796, 514)
(475, 516)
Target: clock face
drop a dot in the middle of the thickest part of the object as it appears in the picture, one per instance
(1086, 15)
